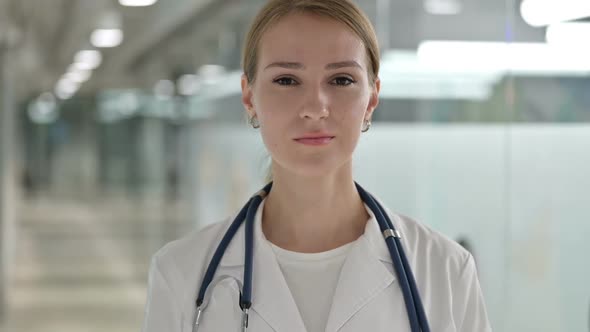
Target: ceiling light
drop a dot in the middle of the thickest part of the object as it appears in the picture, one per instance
(78, 76)
(137, 3)
(65, 89)
(517, 58)
(87, 59)
(571, 35)
(106, 37)
(404, 76)
(443, 7)
(539, 13)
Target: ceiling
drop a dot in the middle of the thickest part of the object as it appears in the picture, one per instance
(178, 36)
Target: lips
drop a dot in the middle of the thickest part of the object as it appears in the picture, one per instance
(315, 139)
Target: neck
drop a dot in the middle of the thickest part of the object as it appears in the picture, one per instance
(313, 214)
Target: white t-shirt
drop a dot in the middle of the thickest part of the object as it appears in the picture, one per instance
(312, 280)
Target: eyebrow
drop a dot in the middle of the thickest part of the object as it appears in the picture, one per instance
(343, 64)
(298, 65)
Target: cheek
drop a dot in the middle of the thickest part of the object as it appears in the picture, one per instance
(350, 107)
(272, 99)
(274, 129)
(274, 105)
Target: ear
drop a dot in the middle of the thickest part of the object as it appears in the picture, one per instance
(374, 99)
(247, 96)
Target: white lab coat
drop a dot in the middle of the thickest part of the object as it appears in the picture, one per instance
(367, 296)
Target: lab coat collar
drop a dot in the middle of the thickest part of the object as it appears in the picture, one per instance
(364, 275)
(374, 235)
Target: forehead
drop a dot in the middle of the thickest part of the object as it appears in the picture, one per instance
(310, 39)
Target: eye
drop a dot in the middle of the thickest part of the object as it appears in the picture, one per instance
(286, 81)
(343, 81)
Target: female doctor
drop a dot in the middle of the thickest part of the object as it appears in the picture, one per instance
(319, 259)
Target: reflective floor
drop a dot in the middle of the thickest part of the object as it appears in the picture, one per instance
(83, 266)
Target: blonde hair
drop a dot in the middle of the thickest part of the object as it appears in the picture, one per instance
(343, 11)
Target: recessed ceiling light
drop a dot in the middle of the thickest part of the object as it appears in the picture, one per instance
(137, 3)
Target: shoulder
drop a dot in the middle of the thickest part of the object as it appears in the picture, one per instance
(447, 272)
(432, 247)
(185, 257)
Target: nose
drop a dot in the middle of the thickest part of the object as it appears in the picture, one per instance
(316, 105)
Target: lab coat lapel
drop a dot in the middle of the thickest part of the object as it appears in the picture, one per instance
(364, 275)
(271, 297)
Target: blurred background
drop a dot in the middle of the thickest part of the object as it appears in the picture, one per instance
(121, 129)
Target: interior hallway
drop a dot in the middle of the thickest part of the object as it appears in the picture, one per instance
(83, 266)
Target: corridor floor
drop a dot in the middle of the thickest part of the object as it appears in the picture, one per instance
(83, 266)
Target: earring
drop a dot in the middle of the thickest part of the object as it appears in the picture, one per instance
(366, 125)
(254, 122)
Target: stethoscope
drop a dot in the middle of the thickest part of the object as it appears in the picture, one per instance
(416, 314)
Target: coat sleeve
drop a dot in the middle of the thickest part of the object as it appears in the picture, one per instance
(469, 309)
(162, 310)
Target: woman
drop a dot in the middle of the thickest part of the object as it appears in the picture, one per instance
(320, 261)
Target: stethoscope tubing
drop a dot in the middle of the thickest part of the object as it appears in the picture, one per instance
(218, 255)
(418, 322)
(414, 307)
(412, 281)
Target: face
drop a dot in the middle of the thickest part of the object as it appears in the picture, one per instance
(311, 94)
